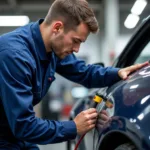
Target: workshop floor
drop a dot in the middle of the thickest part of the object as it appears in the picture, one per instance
(61, 146)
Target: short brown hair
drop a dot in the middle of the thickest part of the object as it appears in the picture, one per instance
(72, 13)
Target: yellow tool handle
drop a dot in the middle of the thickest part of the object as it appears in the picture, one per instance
(97, 99)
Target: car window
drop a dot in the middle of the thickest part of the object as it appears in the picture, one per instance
(144, 55)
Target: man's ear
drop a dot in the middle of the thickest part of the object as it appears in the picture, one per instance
(57, 27)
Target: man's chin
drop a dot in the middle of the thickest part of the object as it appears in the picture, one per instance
(62, 56)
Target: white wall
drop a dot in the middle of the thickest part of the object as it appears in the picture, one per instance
(91, 49)
(121, 43)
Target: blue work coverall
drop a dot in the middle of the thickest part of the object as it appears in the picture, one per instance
(26, 73)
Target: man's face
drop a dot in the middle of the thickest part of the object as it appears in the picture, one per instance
(64, 44)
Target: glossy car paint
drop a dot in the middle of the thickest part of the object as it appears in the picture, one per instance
(130, 115)
(131, 99)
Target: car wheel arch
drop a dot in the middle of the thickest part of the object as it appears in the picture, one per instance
(116, 138)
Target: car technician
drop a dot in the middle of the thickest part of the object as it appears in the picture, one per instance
(29, 58)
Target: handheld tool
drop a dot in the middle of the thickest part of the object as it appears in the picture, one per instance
(98, 98)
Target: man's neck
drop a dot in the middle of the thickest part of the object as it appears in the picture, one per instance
(45, 36)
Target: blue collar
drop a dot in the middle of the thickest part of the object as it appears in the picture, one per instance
(37, 37)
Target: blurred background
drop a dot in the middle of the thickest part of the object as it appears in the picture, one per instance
(118, 20)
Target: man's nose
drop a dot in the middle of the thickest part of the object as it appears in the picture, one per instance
(76, 48)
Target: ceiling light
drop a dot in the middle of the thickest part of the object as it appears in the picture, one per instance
(79, 92)
(138, 6)
(131, 21)
(9, 21)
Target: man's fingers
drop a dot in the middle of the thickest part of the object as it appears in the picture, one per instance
(104, 112)
(133, 67)
(86, 120)
(145, 63)
(137, 66)
(103, 117)
(92, 121)
(90, 110)
(91, 126)
(123, 73)
(93, 115)
(101, 122)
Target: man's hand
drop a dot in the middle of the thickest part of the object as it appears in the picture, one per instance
(85, 121)
(124, 72)
(103, 119)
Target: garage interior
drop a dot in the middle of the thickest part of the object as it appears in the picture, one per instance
(103, 47)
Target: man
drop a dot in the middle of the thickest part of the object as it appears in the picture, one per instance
(29, 58)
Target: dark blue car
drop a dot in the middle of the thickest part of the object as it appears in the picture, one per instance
(127, 102)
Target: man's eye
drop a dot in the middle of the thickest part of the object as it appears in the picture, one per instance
(75, 41)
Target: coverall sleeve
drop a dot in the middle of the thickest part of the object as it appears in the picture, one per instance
(90, 76)
(16, 95)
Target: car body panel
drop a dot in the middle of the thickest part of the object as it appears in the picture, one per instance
(131, 99)
(130, 114)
